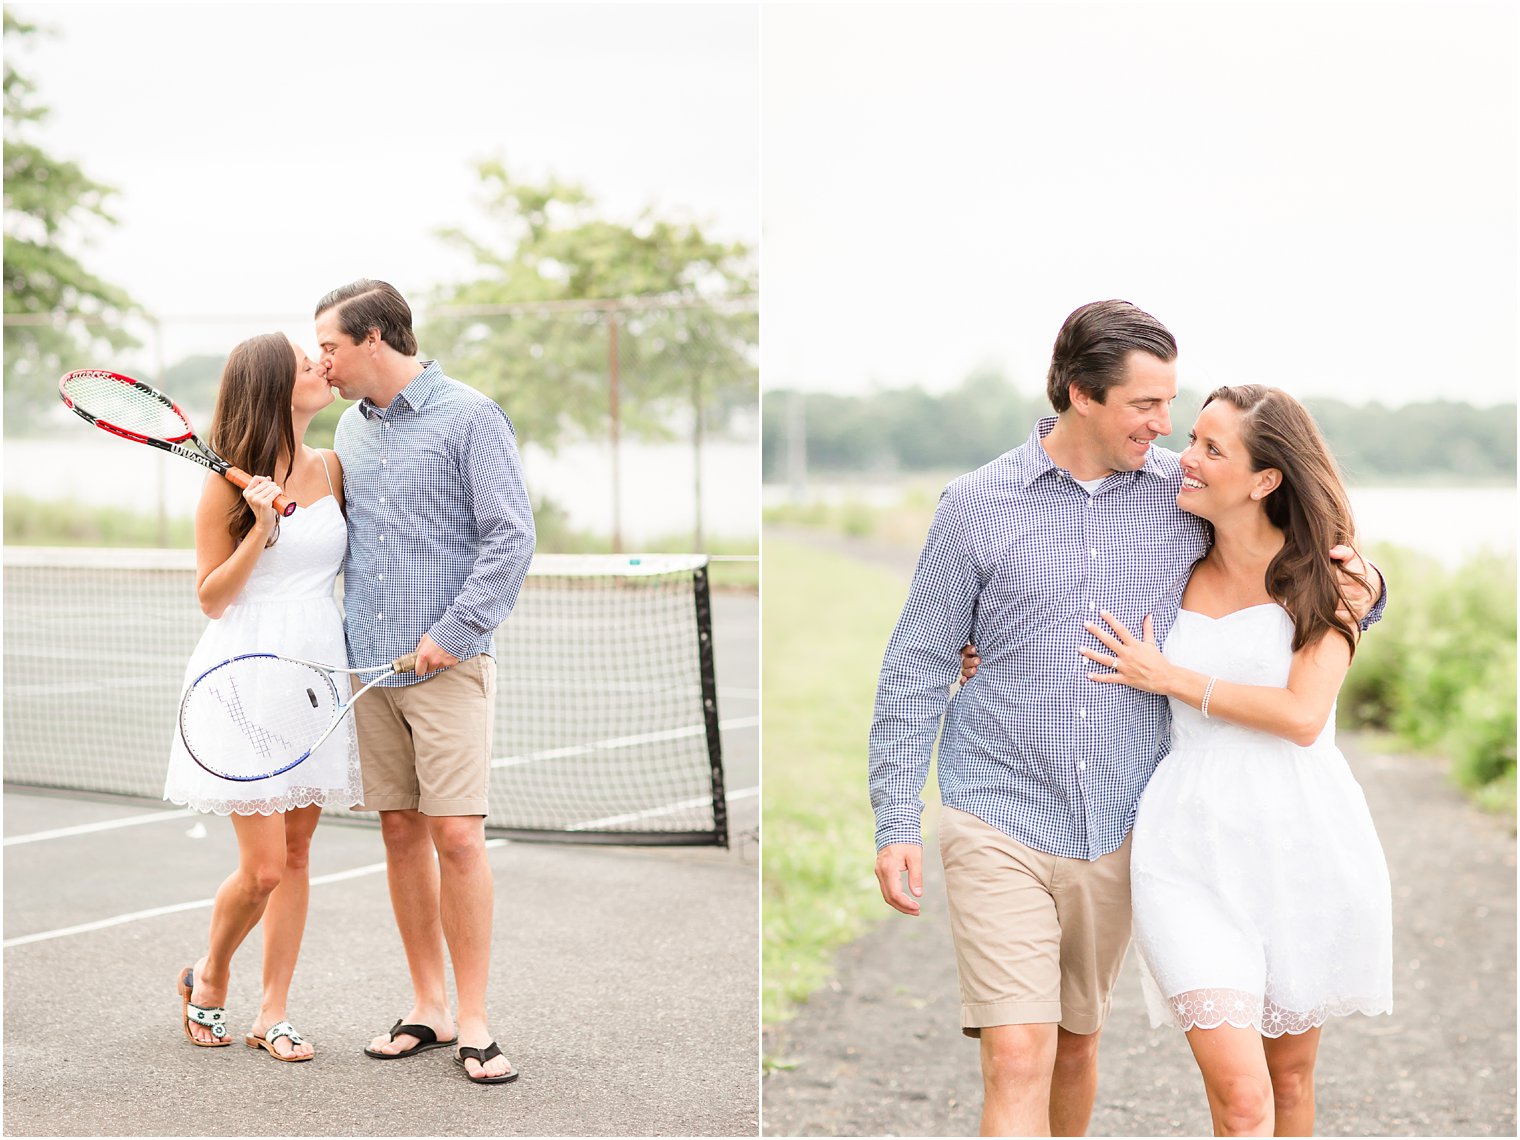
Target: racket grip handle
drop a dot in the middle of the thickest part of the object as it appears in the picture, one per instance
(405, 664)
(240, 478)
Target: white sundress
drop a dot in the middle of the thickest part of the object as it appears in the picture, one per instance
(1259, 887)
(286, 607)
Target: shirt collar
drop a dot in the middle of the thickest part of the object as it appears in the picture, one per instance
(1031, 460)
(410, 398)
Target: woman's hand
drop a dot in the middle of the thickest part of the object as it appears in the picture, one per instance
(1135, 662)
(260, 494)
(971, 660)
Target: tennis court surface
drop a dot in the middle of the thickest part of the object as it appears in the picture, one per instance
(623, 980)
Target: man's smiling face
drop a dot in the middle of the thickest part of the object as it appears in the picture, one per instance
(1134, 412)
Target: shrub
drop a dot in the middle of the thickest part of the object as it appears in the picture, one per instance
(1439, 669)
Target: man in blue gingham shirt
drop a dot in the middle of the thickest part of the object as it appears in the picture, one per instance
(442, 525)
(1040, 769)
(440, 537)
(1031, 745)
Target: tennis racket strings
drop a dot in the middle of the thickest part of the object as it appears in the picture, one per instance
(257, 716)
(124, 405)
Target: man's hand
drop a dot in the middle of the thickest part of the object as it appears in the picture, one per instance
(431, 656)
(891, 861)
(1361, 600)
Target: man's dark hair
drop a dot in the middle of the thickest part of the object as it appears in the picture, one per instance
(1091, 347)
(368, 304)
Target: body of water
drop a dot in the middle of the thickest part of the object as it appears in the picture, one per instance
(658, 482)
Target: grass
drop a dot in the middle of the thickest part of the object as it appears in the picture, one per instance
(826, 623)
(30, 522)
(904, 523)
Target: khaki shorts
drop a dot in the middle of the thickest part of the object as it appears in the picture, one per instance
(427, 747)
(1038, 938)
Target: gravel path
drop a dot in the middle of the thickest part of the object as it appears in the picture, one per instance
(879, 1051)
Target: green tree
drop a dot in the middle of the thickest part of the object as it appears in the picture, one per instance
(49, 205)
(685, 332)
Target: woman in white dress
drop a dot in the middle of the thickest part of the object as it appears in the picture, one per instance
(267, 584)
(1260, 893)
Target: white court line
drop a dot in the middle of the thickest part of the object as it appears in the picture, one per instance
(176, 908)
(622, 742)
(320, 880)
(104, 825)
(668, 809)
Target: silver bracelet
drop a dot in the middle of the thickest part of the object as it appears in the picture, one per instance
(1208, 691)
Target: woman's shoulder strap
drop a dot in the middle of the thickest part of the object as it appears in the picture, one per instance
(322, 455)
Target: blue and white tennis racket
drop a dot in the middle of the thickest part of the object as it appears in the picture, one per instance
(259, 714)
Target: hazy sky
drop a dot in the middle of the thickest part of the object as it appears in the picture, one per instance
(266, 153)
(1321, 196)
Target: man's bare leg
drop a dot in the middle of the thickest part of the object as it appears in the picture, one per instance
(411, 868)
(1017, 1064)
(1074, 1084)
(467, 897)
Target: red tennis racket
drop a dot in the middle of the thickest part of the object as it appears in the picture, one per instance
(129, 408)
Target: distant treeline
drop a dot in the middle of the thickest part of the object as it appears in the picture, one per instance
(909, 429)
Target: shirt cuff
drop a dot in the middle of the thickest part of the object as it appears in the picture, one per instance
(1375, 614)
(900, 823)
(453, 636)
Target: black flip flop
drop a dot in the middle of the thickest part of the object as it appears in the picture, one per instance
(427, 1038)
(469, 1052)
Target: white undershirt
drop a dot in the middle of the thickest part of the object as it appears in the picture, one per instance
(1091, 485)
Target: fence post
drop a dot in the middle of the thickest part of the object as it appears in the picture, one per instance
(796, 446)
(162, 480)
(612, 375)
(696, 456)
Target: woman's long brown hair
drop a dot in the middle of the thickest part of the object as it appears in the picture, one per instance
(252, 417)
(1310, 507)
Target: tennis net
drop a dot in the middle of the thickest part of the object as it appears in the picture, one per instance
(606, 716)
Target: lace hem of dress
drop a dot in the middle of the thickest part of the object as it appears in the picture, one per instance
(292, 798)
(1209, 1009)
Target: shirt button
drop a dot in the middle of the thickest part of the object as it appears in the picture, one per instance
(382, 498)
(1081, 765)
(1082, 713)
(379, 577)
(1094, 553)
(383, 462)
(379, 617)
(382, 538)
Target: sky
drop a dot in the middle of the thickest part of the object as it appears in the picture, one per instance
(1318, 196)
(267, 153)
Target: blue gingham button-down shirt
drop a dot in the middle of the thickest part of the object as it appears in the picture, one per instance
(1018, 557)
(440, 530)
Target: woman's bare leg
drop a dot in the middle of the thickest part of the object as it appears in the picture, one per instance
(238, 906)
(1290, 1061)
(285, 924)
(1235, 1077)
